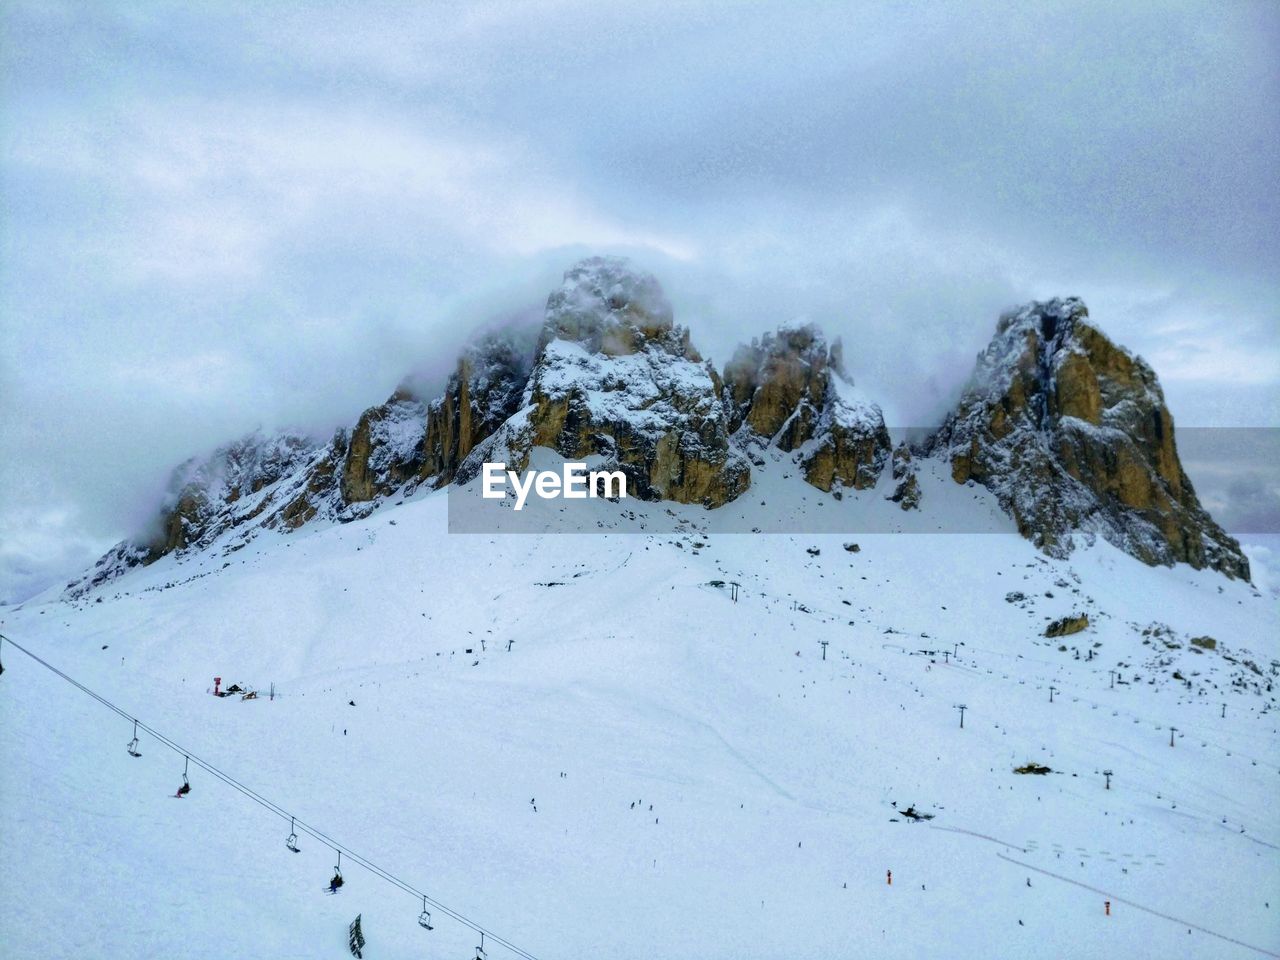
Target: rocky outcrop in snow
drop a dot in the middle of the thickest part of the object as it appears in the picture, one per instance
(906, 492)
(207, 497)
(1072, 434)
(1068, 430)
(484, 392)
(615, 377)
(789, 390)
(117, 561)
(386, 448)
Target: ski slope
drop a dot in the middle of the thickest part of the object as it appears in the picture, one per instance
(610, 669)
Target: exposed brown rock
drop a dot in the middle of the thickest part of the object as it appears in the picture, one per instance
(318, 487)
(847, 456)
(385, 449)
(1067, 626)
(1072, 434)
(778, 385)
(789, 389)
(906, 493)
(483, 392)
(615, 377)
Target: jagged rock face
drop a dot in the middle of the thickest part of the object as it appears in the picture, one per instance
(1071, 432)
(789, 389)
(482, 394)
(405, 441)
(778, 385)
(1068, 430)
(316, 490)
(386, 448)
(614, 377)
(654, 414)
(906, 492)
(204, 493)
(206, 498)
(850, 445)
(121, 558)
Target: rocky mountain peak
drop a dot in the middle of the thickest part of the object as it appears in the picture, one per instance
(1072, 433)
(614, 377)
(206, 496)
(780, 381)
(611, 307)
(203, 491)
(1069, 430)
(789, 389)
(484, 390)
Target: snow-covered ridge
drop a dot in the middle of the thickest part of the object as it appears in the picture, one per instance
(1072, 434)
(780, 701)
(1069, 430)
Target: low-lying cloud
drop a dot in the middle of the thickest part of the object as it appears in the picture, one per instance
(219, 216)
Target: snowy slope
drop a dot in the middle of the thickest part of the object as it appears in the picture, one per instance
(773, 776)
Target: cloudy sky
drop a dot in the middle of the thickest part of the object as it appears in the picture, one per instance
(221, 216)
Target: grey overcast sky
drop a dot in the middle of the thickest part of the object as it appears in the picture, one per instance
(218, 216)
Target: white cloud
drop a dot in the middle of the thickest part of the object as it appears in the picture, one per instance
(225, 215)
(40, 548)
(214, 191)
(1264, 564)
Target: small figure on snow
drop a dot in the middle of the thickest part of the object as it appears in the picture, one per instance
(183, 790)
(335, 883)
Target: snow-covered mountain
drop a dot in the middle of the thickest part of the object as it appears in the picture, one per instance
(587, 745)
(1072, 434)
(659, 738)
(1069, 430)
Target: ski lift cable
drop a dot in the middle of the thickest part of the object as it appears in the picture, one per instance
(278, 810)
(275, 808)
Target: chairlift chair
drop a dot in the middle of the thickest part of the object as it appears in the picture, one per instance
(292, 841)
(133, 744)
(424, 918)
(337, 880)
(480, 954)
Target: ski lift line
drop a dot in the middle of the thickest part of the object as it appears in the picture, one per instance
(275, 808)
(279, 811)
(1083, 699)
(1122, 711)
(835, 616)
